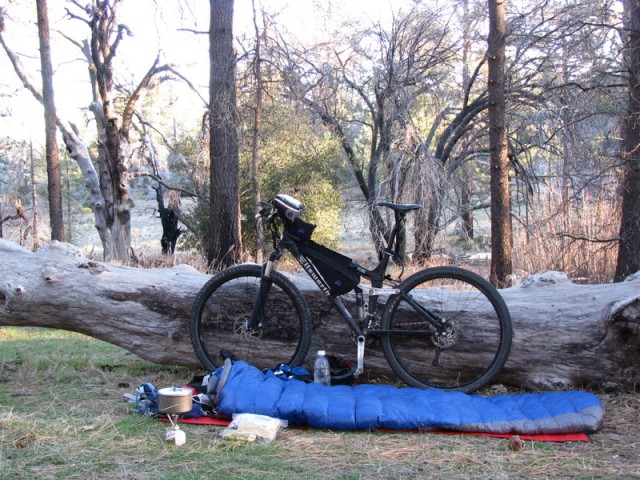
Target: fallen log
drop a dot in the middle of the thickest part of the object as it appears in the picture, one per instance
(565, 335)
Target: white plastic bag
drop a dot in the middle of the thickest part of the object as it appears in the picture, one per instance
(251, 427)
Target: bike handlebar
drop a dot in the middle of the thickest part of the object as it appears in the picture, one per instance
(266, 210)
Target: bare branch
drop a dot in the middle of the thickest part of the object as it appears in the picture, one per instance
(163, 183)
(588, 239)
(144, 84)
(171, 69)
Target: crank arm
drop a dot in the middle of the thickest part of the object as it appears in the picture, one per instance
(360, 361)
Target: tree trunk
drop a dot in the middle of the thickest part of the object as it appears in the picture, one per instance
(629, 249)
(114, 169)
(224, 244)
(565, 335)
(466, 182)
(257, 125)
(501, 240)
(54, 177)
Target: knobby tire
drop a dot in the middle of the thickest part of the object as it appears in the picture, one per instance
(223, 306)
(477, 347)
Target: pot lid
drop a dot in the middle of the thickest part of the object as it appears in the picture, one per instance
(175, 392)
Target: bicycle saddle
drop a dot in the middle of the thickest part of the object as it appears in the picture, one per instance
(400, 207)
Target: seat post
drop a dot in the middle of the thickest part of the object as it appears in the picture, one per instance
(397, 237)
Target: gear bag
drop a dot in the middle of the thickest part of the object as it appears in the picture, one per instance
(336, 269)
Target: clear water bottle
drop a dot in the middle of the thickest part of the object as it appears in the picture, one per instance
(321, 371)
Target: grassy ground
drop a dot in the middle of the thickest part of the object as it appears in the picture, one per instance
(62, 417)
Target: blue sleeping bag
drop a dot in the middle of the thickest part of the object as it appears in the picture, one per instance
(247, 390)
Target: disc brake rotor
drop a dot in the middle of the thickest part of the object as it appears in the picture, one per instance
(448, 338)
(240, 328)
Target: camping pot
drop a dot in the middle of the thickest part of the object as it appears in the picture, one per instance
(175, 400)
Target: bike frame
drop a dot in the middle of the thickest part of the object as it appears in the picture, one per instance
(436, 304)
(363, 326)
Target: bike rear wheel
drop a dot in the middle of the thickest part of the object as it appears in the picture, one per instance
(473, 350)
(221, 311)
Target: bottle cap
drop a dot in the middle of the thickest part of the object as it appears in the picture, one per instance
(321, 353)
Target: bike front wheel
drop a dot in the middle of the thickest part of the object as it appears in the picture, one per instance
(475, 344)
(221, 311)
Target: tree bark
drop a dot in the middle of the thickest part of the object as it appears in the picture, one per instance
(501, 240)
(565, 335)
(629, 249)
(225, 244)
(466, 182)
(257, 125)
(54, 177)
(112, 140)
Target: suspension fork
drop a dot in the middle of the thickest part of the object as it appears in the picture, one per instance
(255, 321)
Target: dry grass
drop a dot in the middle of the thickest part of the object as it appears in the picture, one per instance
(578, 238)
(62, 417)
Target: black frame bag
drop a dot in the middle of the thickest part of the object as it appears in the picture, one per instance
(335, 268)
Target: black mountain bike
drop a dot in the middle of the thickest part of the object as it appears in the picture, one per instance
(442, 327)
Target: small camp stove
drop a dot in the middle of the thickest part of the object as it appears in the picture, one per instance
(175, 401)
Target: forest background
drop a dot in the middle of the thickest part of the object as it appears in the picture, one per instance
(384, 102)
(390, 107)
